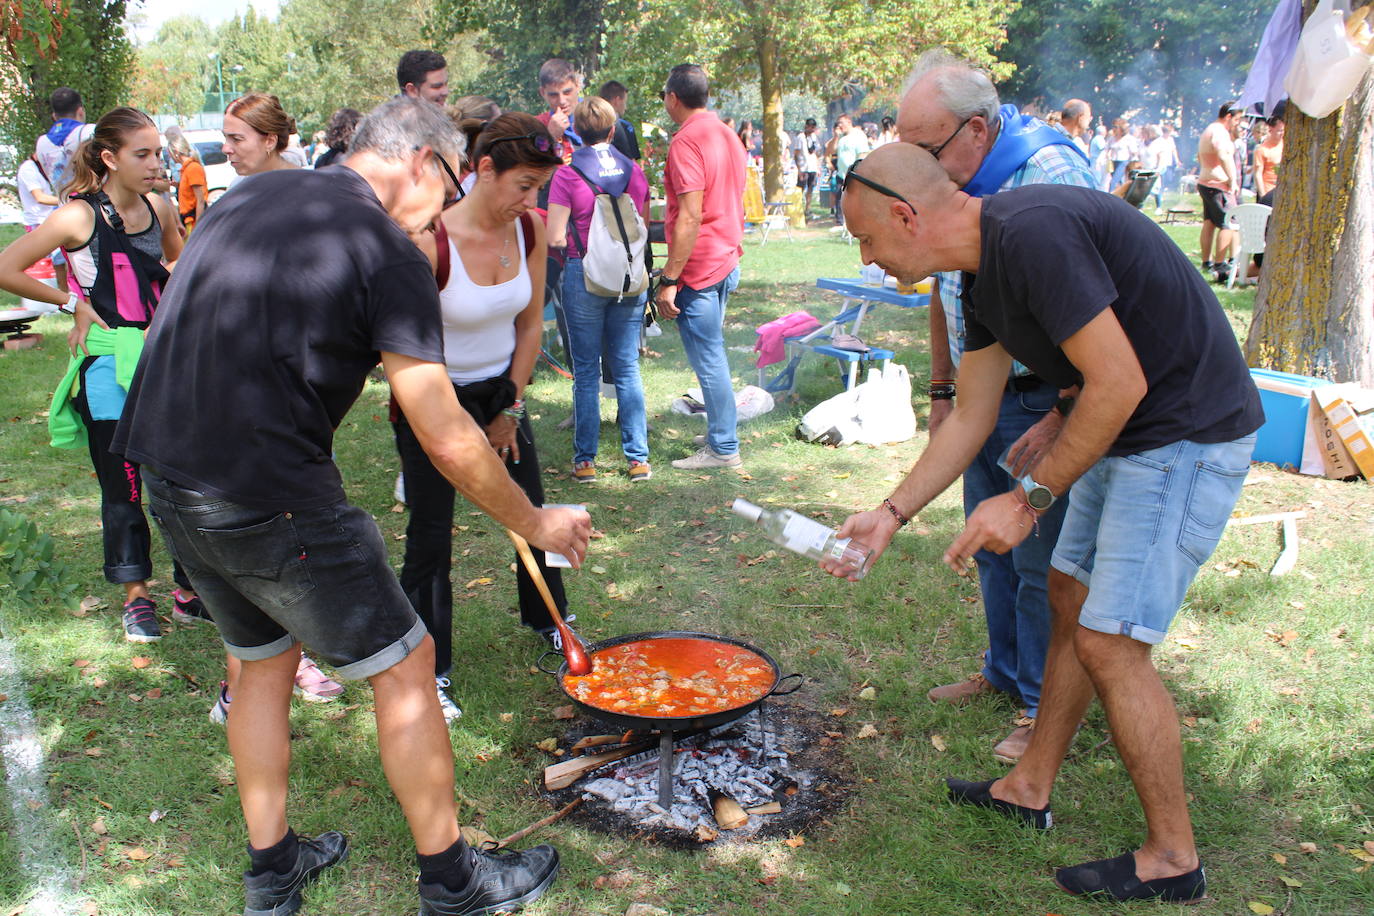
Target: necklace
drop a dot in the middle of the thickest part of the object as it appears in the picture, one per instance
(502, 258)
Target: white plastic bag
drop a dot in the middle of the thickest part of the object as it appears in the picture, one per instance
(884, 408)
(750, 401)
(833, 421)
(1328, 66)
(876, 412)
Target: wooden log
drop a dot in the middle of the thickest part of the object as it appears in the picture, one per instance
(765, 808)
(729, 815)
(562, 775)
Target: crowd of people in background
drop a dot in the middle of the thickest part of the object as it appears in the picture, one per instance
(523, 218)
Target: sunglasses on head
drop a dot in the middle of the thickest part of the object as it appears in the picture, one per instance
(853, 175)
(542, 141)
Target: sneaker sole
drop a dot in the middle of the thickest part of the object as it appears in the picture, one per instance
(292, 905)
(508, 906)
(138, 637)
(183, 617)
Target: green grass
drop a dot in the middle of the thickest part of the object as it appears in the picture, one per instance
(1280, 747)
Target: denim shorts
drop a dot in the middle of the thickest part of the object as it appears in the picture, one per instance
(1140, 526)
(272, 579)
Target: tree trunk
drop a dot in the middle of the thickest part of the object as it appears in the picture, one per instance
(1314, 314)
(770, 90)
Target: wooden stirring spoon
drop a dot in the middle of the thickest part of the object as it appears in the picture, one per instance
(574, 652)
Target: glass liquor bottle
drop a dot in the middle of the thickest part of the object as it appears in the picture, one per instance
(807, 537)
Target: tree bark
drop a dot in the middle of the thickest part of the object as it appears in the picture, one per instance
(770, 90)
(1314, 313)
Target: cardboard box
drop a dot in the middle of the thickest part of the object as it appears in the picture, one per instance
(1343, 405)
(1323, 453)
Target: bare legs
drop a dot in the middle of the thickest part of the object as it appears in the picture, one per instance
(1224, 238)
(1140, 714)
(260, 740)
(411, 735)
(415, 748)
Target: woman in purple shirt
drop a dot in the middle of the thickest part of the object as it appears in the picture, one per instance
(599, 325)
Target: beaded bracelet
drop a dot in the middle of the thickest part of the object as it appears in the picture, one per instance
(515, 411)
(896, 513)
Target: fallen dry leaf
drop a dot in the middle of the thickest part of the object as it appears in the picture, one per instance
(868, 731)
(98, 826)
(94, 752)
(484, 580)
(1309, 848)
(564, 712)
(549, 745)
(1290, 882)
(81, 663)
(154, 694)
(842, 711)
(1368, 846)
(1280, 858)
(141, 661)
(1260, 909)
(475, 836)
(938, 743)
(137, 853)
(795, 841)
(507, 716)
(92, 603)
(868, 693)
(705, 834)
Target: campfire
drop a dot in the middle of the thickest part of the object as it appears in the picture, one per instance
(755, 776)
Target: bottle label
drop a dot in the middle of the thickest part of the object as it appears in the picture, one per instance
(804, 535)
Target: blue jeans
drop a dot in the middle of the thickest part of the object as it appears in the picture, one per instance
(1140, 526)
(598, 325)
(1015, 600)
(701, 325)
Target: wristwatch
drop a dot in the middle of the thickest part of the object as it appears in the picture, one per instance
(668, 281)
(69, 307)
(1038, 496)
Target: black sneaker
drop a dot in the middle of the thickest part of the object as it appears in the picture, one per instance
(501, 882)
(273, 894)
(189, 609)
(140, 621)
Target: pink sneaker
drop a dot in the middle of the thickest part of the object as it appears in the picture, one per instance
(313, 684)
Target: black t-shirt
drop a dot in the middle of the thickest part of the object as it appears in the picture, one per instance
(289, 288)
(1053, 257)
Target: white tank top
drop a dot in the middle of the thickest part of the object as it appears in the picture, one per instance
(479, 321)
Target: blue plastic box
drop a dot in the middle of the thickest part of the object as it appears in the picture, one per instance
(1285, 398)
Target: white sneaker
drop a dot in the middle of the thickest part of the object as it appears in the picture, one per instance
(707, 459)
(450, 709)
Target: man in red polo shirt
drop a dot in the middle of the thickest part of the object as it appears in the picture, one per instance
(704, 184)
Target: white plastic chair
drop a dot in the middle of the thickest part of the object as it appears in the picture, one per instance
(1250, 221)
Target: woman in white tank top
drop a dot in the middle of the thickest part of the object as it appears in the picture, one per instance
(490, 262)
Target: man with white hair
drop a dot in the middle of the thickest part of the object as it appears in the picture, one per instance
(952, 111)
(248, 370)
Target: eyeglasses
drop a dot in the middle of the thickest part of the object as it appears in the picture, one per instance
(457, 185)
(941, 148)
(853, 175)
(542, 141)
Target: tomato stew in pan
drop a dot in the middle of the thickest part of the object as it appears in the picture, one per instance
(673, 677)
